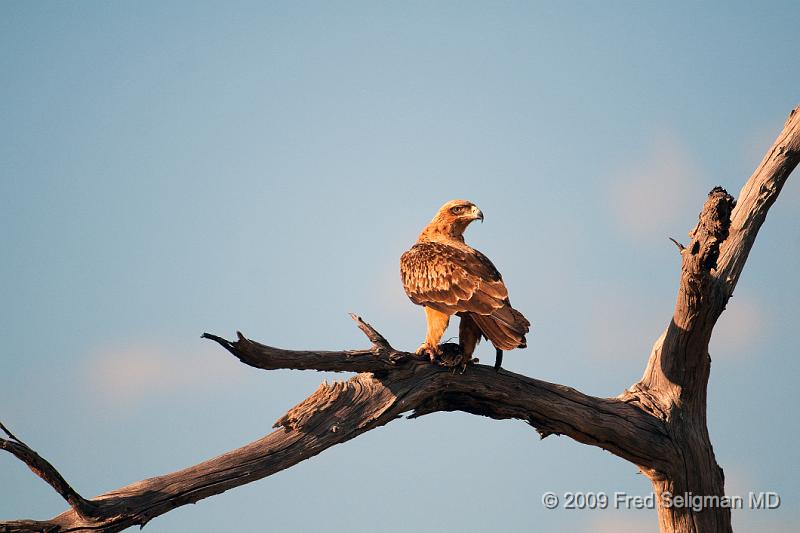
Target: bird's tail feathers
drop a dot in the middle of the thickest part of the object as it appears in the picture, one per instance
(504, 331)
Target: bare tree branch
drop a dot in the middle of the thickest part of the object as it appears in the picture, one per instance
(676, 243)
(755, 199)
(342, 410)
(380, 357)
(674, 385)
(42, 468)
(679, 363)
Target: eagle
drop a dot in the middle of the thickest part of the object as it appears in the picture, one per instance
(448, 277)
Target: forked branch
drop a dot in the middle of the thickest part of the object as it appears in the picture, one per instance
(396, 383)
(42, 468)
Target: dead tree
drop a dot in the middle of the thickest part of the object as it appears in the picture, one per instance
(658, 424)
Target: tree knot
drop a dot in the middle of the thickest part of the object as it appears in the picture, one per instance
(711, 231)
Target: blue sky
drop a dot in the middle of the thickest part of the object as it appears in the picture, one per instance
(171, 168)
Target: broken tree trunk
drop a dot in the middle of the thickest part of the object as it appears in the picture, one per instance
(659, 423)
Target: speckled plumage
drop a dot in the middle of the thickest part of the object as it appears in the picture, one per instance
(448, 277)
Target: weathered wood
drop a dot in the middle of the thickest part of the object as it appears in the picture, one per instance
(658, 424)
(755, 199)
(342, 410)
(380, 357)
(42, 468)
(674, 385)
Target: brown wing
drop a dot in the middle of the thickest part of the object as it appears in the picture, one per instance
(452, 280)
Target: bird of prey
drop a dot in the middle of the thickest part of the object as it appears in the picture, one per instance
(448, 277)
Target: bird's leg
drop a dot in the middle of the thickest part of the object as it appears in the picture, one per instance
(469, 334)
(498, 360)
(437, 324)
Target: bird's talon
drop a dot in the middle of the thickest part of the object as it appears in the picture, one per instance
(432, 353)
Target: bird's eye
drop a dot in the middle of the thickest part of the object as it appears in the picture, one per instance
(457, 210)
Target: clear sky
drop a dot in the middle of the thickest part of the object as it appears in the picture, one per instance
(170, 168)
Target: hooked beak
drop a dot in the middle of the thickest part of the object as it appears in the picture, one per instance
(477, 213)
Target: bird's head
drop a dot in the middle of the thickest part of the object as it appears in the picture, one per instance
(452, 219)
(459, 211)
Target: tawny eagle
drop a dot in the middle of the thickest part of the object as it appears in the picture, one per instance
(448, 277)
